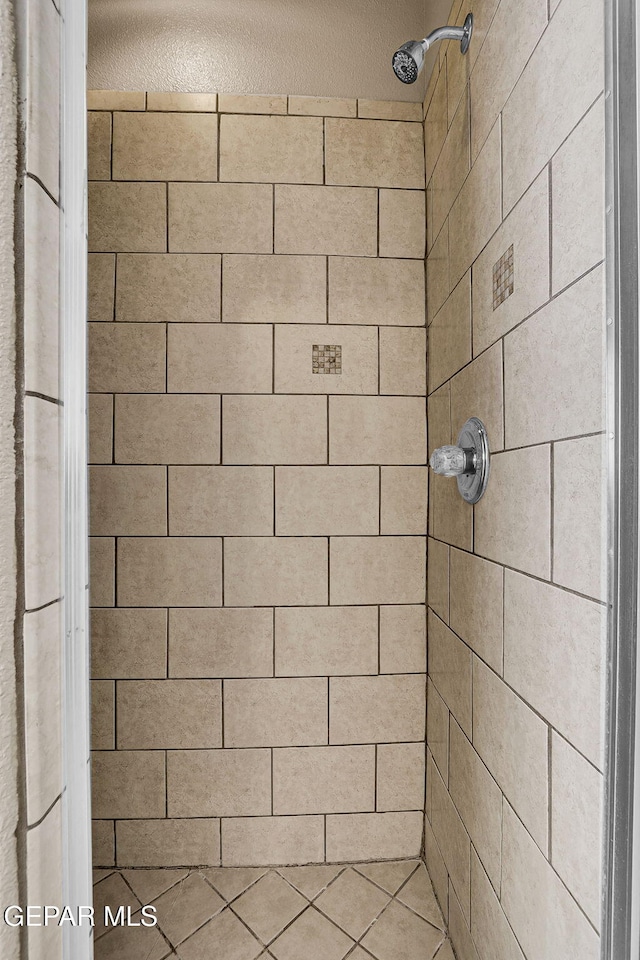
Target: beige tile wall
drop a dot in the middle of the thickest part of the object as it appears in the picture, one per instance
(259, 530)
(514, 148)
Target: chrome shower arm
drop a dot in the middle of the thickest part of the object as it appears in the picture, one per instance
(444, 33)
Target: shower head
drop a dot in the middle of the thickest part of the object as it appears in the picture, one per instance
(409, 59)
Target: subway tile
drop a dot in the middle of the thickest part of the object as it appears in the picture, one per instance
(269, 840)
(41, 291)
(578, 217)
(489, 926)
(452, 167)
(234, 103)
(437, 869)
(220, 501)
(41, 503)
(167, 429)
(403, 500)
(326, 641)
(459, 928)
(99, 145)
(450, 335)
(362, 153)
(400, 776)
(167, 843)
(403, 361)
(352, 903)
(438, 730)
(222, 642)
(332, 220)
(376, 291)
(438, 577)
(102, 571)
(438, 286)
(175, 287)
(576, 825)
(273, 289)
(42, 866)
(116, 100)
(322, 107)
(458, 68)
(478, 800)
(377, 430)
(149, 884)
(580, 516)
(128, 500)
(165, 146)
(168, 714)
(220, 217)
(219, 358)
(513, 742)
(513, 522)
(317, 501)
(554, 655)
(42, 676)
(545, 918)
(127, 217)
(452, 517)
(453, 840)
(324, 780)
(272, 149)
(275, 571)
(436, 123)
(100, 428)
(258, 430)
(128, 644)
(275, 713)
(189, 102)
(546, 104)
(299, 370)
(450, 670)
(103, 842)
(403, 639)
(477, 605)
(373, 836)
(477, 391)
(439, 417)
(377, 709)
(378, 570)
(169, 572)
(388, 875)
(218, 783)
(103, 723)
(128, 783)
(389, 110)
(523, 24)
(129, 357)
(101, 285)
(526, 228)
(476, 213)
(402, 223)
(564, 344)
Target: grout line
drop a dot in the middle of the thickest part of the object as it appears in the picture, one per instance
(550, 227)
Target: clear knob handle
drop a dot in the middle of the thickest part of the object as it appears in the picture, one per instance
(450, 461)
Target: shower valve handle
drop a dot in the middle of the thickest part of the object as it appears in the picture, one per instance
(450, 461)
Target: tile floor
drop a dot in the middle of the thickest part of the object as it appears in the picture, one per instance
(385, 911)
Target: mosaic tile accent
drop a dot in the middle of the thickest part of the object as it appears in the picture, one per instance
(327, 358)
(503, 278)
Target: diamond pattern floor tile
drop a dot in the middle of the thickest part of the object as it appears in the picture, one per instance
(223, 938)
(132, 943)
(418, 894)
(311, 937)
(269, 905)
(185, 907)
(230, 882)
(445, 952)
(310, 880)
(389, 875)
(149, 884)
(353, 903)
(114, 893)
(401, 935)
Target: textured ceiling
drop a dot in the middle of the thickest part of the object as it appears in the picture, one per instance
(328, 48)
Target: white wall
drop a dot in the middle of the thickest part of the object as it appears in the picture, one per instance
(330, 48)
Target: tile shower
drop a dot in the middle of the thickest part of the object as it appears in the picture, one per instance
(259, 503)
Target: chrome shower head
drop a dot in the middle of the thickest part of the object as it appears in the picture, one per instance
(408, 61)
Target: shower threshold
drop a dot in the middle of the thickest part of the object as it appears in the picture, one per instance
(384, 911)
